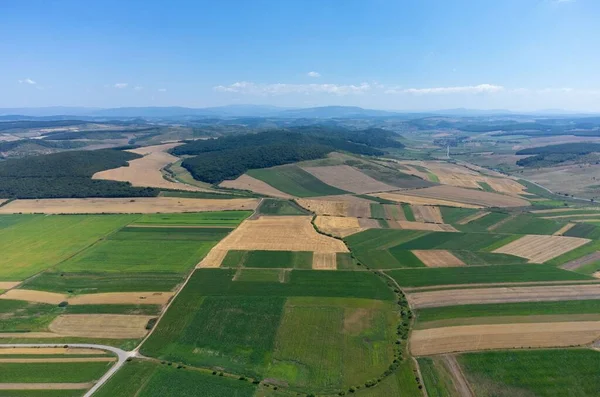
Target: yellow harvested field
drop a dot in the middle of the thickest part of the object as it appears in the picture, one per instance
(467, 196)
(34, 296)
(122, 298)
(427, 213)
(411, 199)
(563, 229)
(48, 350)
(324, 207)
(324, 261)
(394, 212)
(45, 386)
(502, 336)
(273, 233)
(58, 360)
(366, 223)
(438, 258)
(246, 182)
(349, 179)
(146, 171)
(138, 205)
(539, 249)
(473, 217)
(110, 326)
(470, 296)
(8, 284)
(29, 335)
(338, 226)
(435, 227)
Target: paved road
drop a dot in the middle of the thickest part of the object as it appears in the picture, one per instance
(121, 354)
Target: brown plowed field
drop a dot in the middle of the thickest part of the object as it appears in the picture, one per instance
(122, 298)
(34, 296)
(48, 350)
(246, 182)
(502, 336)
(349, 179)
(539, 249)
(563, 229)
(8, 284)
(471, 218)
(400, 197)
(467, 196)
(421, 226)
(438, 258)
(470, 296)
(45, 386)
(324, 261)
(338, 226)
(274, 233)
(110, 326)
(427, 213)
(138, 205)
(577, 263)
(146, 171)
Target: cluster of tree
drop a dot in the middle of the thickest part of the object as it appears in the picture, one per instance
(67, 174)
(574, 148)
(547, 156)
(229, 157)
(41, 143)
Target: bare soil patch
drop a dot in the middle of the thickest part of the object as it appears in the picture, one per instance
(539, 249)
(469, 296)
(45, 386)
(29, 335)
(577, 263)
(246, 182)
(214, 258)
(474, 217)
(502, 336)
(438, 258)
(58, 360)
(401, 197)
(146, 171)
(349, 179)
(427, 213)
(122, 298)
(48, 350)
(8, 284)
(467, 196)
(563, 229)
(338, 226)
(138, 205)
(324, 261)
(110, 326)
(34, 296)
(422, 226)
(366, 223)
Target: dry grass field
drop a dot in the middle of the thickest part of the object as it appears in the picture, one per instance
(273, 233)
(394, 212)
(246, 182)
(8, 284)
(563, 229)
(324, 261)
(401, 197)
(467, 196)
(502, 336)
(110, 326)
(338, 226)
(34, 296)
(539, 249)
(427, 213)
(140, 205)
(108, 298)
(438, 258)
(469, 296)
(472, 218)
(146, 171)
(58, 360)
(349, 179)
(343, 205)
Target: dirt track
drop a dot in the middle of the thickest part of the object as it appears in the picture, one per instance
(539, 249)
(458, 377)
(246, 182)
(502, 336)
(138, 205)
(577, 263)
(503, 295)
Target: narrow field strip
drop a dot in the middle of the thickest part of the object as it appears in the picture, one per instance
(417, 200)
(473, 217)
(8, 284)
(427, 213)
(577, 263)
(563, 229)
(246, 182)
(48, 350)
(502, 336)
(348, 178)
(117, 298)
(434, 227)
(503, 295)
(438, 258)
(324, 261)
(58, 360)
(539, 249)
(46, 386)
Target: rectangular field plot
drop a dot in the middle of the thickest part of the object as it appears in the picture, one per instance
(21, 316)
(269, 259)
(280, 207)
(528, 224)
(539, 249)
(76, 372)
(218, 218)
(540, 373)
(261, 275)
(151, 379)
(295, 181)
(41, 242)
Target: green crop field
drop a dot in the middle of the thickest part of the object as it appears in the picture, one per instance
(21, 316)
(377, 211)
(150, 379)
(453, 241)
(52, 372)
(90, 282)
(475, 258)
(13, 219)
(280, 207)
(452, 215)
(295, 181)
(483, 223)
(41, 242)
(345, 261)
(527, 224)
(585, 230)
(544, 373)
(260, 275)
(408, 212)
(269, 259)
(217, 218)
(482, 274)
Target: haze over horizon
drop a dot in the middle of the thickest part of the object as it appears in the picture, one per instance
(522, 55)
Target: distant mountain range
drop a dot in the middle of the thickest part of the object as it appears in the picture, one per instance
(60, 112)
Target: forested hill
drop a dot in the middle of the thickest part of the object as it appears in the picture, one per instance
(547, 156)
(67, 174)
(229, 157)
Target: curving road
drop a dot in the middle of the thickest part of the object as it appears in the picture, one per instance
(121, 354)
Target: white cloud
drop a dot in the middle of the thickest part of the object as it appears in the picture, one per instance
(138, 88)
(313, 74)
(162, 90)
(467, 89)
(27, 81)
(121, 85)
(245, 87)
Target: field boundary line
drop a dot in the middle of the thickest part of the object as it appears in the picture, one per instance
(461, 383)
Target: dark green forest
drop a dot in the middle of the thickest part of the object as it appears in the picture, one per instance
(67, 174)
(547, 156)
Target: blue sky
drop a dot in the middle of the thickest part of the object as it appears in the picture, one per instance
(386, 54)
